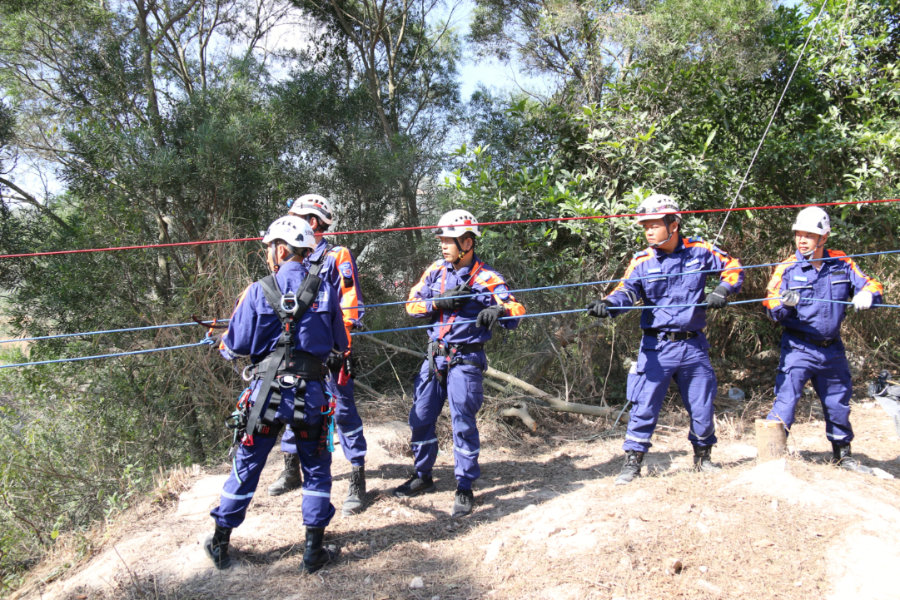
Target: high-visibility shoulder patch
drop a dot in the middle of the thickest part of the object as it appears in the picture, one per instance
(641, 253)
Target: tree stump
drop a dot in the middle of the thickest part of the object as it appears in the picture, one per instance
(771, 440)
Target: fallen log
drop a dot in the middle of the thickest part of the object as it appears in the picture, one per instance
(538, 396)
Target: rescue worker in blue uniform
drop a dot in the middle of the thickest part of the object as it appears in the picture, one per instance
(455, 360)
(805, 296)
(294, 365)
(670, 276)
(339, 268)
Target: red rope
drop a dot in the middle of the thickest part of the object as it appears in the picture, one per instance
(420, 227)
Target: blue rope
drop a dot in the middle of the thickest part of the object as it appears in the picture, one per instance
(80, 358)
(474, 295)
(847, 302)
(545, 314)
(608, 281)
(66, 335)
(207, 341)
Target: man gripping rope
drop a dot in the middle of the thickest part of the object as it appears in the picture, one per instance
(804, 296)
(339, 268)
(670, 276)
(287, 324)
(455, 361)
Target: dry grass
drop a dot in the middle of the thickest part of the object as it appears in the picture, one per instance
(548, 522)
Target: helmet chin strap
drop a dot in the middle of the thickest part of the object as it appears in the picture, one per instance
(462, 253)
(665, 241)
(808, 255)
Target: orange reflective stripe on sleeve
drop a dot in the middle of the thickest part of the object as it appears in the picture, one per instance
(421, 306)
(349, 292)
(631, 267)
(731, 271)
(491, 280)
(773, 290)
(873, 286)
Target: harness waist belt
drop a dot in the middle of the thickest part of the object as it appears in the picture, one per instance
(672, 336)
(302, 364)
(445, 349)
(821, 343)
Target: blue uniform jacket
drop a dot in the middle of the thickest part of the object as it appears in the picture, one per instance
(838, 279)
(441, 276)
(254, 328)
(651, 277)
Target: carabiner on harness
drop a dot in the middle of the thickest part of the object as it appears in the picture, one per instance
(289, 303)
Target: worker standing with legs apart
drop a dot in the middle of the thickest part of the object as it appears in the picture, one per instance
(455, 360)
(339, 268)
(670, 277)
(287, 324)
(805, 295)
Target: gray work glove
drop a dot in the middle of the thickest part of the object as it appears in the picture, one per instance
(718, 298)
(790, 298)
(599, 309)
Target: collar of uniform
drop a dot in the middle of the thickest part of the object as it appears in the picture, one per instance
(292, 265)
(463, 272)
(661, 255)
(317, 251)
(805, 263)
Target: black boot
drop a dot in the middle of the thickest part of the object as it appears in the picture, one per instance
(631, 468)
(290, 477)
(317, 555)
(216, 547)
(356, 495)
(702, 461)
(844, 459)
(414, 486)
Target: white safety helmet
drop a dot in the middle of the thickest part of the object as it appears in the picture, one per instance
(293, 231)
(812, 219)
(457, 222)
(312, 204)
(657, 206)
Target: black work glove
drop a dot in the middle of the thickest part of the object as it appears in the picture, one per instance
(452, 299)
(335, 361)
(790, 298)
(599, 309)
(489, 316)
(718, 298)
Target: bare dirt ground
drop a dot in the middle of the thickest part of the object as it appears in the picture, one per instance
(549, 523)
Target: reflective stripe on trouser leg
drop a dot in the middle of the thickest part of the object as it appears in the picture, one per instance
(465, 396)
(242, 481)
(315, 464)
(349, 424)
(830, 375)
(697, 385)
(426, 408)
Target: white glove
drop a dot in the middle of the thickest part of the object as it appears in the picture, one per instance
(862, 300)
